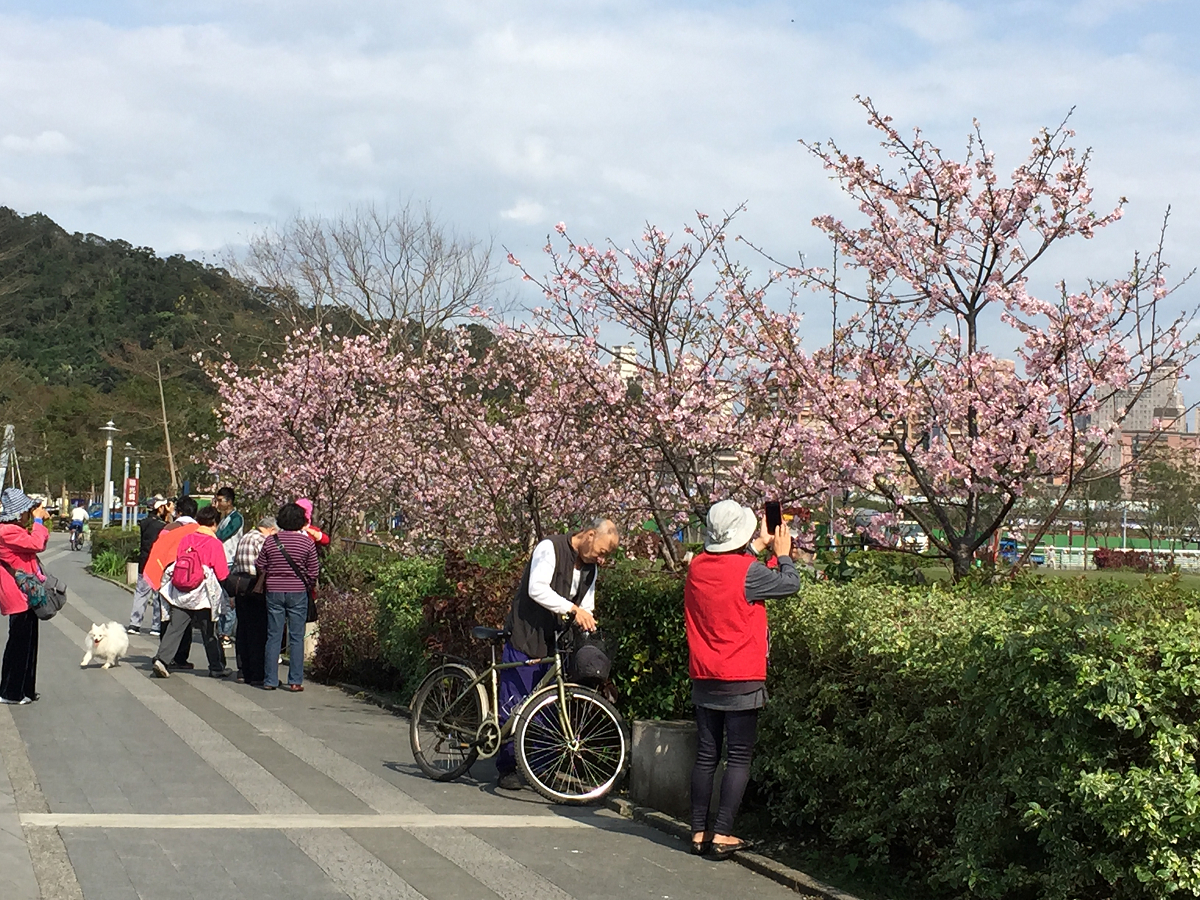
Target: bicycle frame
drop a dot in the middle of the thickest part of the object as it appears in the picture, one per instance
(492, 676)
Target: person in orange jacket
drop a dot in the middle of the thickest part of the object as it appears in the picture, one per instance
(162, 553)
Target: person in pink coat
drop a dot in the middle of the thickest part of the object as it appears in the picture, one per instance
(23, 536)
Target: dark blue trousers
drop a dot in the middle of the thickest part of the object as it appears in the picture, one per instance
(515, 685)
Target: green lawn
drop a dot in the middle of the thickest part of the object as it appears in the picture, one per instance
(1186, 580)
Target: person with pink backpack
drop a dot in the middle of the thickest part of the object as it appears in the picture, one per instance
(192, 587)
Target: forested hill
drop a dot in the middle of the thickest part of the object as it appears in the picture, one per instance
(85, 325)
(68, 301)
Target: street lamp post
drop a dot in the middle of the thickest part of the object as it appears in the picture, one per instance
(110, 429)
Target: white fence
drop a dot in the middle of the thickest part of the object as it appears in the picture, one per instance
(1073, 558)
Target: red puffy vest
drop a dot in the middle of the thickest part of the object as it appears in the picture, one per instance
(727, 636)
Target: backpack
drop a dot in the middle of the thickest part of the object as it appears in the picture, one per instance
(189, 571)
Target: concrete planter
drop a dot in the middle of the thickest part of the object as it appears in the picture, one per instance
(664, 751)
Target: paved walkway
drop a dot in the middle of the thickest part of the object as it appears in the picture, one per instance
(118, 785)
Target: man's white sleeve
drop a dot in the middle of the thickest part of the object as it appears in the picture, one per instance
(541, 570)
(589, 599)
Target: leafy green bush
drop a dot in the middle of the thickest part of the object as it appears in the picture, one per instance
(109, 564)
(125, 544)
(1035, 740)
(399, 591)
(640, 609)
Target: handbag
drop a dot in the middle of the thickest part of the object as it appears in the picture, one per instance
(311, 614)
(56, 597)
(45, 598)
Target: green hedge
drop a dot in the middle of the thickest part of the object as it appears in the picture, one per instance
(1027, 741)
(1024, 740)
(125, 544)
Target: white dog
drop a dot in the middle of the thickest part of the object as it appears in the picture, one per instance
(108, 642)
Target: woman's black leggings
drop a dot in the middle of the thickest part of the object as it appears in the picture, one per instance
(738, 729)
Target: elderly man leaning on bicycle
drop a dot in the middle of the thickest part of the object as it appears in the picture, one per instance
(560, 580)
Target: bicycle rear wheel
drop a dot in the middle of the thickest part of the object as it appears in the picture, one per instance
(573, 754)
(446, 715)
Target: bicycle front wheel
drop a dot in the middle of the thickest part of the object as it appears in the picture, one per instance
(446, 714)
(573, 754)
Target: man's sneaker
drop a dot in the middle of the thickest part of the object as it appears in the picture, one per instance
(161, 670)
(220, 673)
(132, 629)
(154, 632)
(21, 702)
(510, 781)
(183, 665)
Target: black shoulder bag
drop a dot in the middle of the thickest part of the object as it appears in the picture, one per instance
(311, 589)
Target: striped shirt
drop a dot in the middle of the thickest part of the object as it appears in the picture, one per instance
(280, 576)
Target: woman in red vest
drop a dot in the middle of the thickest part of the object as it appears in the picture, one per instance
(727, 648)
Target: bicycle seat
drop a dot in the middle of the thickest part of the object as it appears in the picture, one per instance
(494, 635)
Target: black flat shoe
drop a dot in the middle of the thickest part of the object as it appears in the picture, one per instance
(724, 851)
(699, 848)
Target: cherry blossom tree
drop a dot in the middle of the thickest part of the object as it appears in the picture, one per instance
(325, 419)
(519, 446)
(680, 429)
(486, 446)
(908, 403)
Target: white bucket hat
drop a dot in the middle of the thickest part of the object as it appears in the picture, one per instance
(730, 526)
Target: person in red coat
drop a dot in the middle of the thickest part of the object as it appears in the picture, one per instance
(23, 536)
(727, 658)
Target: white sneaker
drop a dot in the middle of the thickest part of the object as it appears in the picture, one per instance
(154, 632)
(21, 702)
(160, 669)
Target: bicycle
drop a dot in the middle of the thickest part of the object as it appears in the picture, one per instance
(570, 742)
(76, 538)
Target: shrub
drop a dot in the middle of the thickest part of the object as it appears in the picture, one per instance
(476, 591)
(348, 647)
(1029, 740)
(1137, 560)
(108, 563)
(640, 610)
(399, 591)
(125, 544)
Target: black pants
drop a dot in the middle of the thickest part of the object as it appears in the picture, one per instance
(250, 640)
(183, 621)
(18, 672)
(738, 729)
(185, 643)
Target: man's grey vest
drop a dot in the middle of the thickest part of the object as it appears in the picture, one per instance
(531, 624)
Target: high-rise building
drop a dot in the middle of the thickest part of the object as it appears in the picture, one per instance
(625, 357)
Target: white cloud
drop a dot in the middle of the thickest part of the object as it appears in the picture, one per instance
(47, 143)
(529, 212)
(206, 123)
(935, 21)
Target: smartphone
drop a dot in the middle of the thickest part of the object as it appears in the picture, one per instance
(774, 516)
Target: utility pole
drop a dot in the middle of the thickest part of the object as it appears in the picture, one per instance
(167, 430)
(7, 450)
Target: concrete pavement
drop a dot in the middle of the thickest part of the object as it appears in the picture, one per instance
(118, 785)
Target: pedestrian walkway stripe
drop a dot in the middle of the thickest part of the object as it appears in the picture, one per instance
(270, 821)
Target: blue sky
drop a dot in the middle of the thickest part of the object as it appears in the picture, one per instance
(190, 126)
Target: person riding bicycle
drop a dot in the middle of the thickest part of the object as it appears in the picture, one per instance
(559, 580)
(79, 517)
